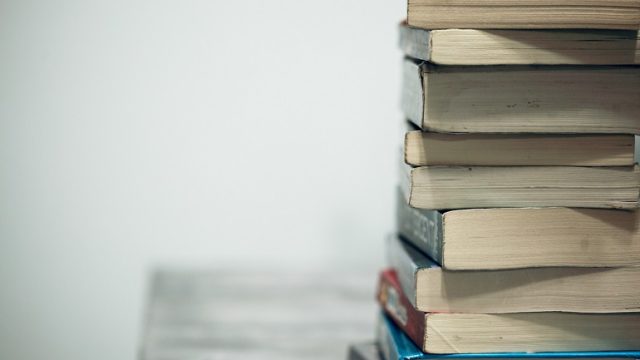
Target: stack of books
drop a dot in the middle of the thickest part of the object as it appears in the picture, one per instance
(517, 230)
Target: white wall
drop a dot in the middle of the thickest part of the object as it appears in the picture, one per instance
(136, 133)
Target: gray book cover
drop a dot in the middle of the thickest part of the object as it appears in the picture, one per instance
(422, 228)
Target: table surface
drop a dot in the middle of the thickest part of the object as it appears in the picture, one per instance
(223, 314)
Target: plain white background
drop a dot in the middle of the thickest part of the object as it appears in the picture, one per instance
(203, 133)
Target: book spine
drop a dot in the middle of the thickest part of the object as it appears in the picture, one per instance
(412, 92)
(415, 42)
(405, 181)
(399, 309)
(386, 339)
(402, 258)
(422, 228)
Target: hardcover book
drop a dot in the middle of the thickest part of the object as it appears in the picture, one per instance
(524, 14)
(522, 99)
(430, 288)
(445, 333)
(508, 238)
(395, 345)
(523, 47)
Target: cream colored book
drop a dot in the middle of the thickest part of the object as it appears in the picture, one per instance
(398, 342)
(455, 333)
(464, 187)
(447, 333)
(428, 148)
(431, 288)
(511, 238)
(524, 14)
(522, 99)
(521, 47)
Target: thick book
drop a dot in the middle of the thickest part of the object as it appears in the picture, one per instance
(395, 345)
(522, 99)
(524, 14)
(430, 288)
(363, 351)
(429, 148)
(507, 238)
(444, 333)
(521, 47)
(464, 187)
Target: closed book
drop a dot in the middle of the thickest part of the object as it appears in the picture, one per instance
(430, 288)
(395, 345)
(475, 149)
(508, 238)
(466, 187)
(522, 99)
(524, 14)
(445, 333)
(520, 47)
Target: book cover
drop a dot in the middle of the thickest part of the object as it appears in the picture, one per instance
(396, 305)
(422, 228)
(395, 345)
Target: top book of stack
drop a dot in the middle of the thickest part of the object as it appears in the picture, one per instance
(524, 14)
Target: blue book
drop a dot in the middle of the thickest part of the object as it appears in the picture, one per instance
(395, 345)
(364, 351)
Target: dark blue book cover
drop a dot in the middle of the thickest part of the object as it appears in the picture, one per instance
(395, 345)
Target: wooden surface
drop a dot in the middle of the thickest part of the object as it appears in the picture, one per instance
(257, 315)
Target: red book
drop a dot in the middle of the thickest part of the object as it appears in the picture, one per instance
(399, 309)
(447, 333)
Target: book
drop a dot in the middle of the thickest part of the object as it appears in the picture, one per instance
(461, 187)
(428, 148)
(430, 288)
(522, 99)
(445, 333)
(524, 14)
(507, 238)
(363, 351)
(524, 47)
(395, 345)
